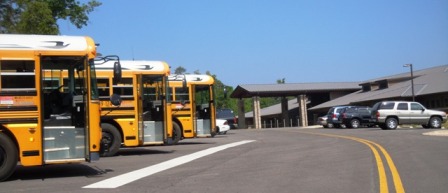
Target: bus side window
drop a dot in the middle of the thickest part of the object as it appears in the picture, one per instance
(17, 76)
(181, 94)
(103, 87)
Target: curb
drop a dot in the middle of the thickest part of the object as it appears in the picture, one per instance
(443, 132)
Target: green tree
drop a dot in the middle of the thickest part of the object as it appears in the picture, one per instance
(41, 16)
(281, 81)
(222, 91)
(180, 70)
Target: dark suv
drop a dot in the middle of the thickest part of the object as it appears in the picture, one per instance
(333, 116)
(356, 116)
(228, 115)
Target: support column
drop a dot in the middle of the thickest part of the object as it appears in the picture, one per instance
(256, 111)
(285, 114)
(241, 114)
(303, 115)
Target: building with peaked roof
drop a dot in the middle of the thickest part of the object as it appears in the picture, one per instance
(430, 89)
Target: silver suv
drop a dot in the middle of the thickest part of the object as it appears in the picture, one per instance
(390, 114)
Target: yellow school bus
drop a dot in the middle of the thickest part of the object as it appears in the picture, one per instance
(143, 117)
(192, 105)
(47, 117)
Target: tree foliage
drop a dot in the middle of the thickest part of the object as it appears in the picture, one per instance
(41, 16)
(222, 94)
(180, 70)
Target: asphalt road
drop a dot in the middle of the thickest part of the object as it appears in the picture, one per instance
(268, 160)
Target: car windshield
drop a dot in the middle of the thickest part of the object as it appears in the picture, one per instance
(224, 113)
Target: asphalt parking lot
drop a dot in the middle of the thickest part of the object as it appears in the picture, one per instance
(265, 160)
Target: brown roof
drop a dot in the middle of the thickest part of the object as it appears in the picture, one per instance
(427, 81)
(291, 89)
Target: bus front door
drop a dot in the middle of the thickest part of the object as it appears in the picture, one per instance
(64, 108)
(203, 115)
(151, 109)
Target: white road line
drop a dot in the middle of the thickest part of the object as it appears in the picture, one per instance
(126, 178)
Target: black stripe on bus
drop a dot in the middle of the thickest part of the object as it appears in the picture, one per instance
(125, 98)
(131, 137)
(18, 120)
(19, 108)
(109, 117)
(30, 153)
(18, 93)
(116, 108)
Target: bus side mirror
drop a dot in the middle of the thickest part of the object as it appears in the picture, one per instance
(117, 72)
(184, 84)
(115, 99)
(225, 92)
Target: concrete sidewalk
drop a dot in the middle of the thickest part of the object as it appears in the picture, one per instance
(442, 132)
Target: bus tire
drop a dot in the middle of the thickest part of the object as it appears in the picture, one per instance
(213, 132)
(110, 141)
(177, 134)
(9, 157)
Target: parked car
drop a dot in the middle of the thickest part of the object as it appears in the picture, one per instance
(222, 125)
(333, 116)
(323, 121)
(390, 114)
(227, 114)
(356, 116)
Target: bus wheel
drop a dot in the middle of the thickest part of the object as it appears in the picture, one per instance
(215, 131)
(110, 141)
(8, 157)
(177, 134)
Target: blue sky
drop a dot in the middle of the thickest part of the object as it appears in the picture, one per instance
(261, 41)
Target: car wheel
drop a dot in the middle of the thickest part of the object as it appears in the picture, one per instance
(354, 123)
(110, 141)
(9, 157)
(391, 123)
(435, 122)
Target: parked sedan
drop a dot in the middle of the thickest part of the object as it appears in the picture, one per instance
(227, 114)
(222, 125)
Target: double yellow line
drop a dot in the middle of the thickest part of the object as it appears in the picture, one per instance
(384, 188)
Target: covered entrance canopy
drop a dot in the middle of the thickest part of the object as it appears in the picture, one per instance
(310, 94)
